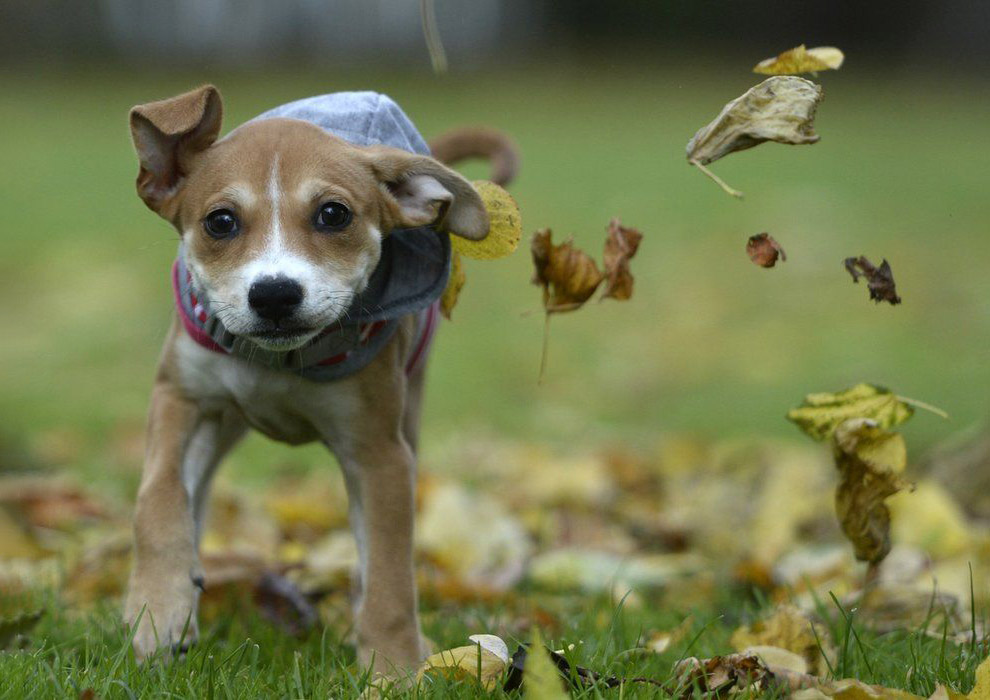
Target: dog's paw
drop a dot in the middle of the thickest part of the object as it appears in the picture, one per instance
(162, 617)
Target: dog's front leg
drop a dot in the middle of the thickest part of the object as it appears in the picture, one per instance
(166, 576)
(380, 480)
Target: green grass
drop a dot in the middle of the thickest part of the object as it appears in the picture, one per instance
(243, 656)
(709, 344)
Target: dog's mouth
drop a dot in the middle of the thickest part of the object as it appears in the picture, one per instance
(279, 338)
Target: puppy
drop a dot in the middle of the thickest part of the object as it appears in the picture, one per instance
(311, 257)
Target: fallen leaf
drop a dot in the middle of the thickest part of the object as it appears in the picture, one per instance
(504, 225)
(568, 275)
(763, 250)
(780, 109)
(789, 628)
(621, 244)
(801, 60)
(851, 689)
(931, 520)
(879, 280)
(484, 661)
(542, 679)
(11, 628)
(870, 461)
(722, 674)
(777, 659)
(821, 413)
(455, 283)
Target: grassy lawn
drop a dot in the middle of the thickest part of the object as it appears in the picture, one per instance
(709, 344)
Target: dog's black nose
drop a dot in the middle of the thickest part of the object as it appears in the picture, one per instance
(275, 298)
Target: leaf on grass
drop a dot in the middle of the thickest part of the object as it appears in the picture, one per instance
(822, 413)
(484, 661)
(504, 225)
(851, 689)
(801, 60)
(542, 675)
(568, 275)
(621, 244)
(879, 280)
(448, 300)
(870, 461)
(763, 250)
(11, 628)
(723, 674)
(792, 629)
(780, 109)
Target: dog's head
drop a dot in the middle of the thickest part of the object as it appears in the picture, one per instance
(282, 222)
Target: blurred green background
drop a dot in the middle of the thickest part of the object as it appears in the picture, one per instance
(709, 343)
(601, 101)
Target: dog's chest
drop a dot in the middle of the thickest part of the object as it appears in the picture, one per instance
(281, 405)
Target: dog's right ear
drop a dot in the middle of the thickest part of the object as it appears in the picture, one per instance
(167, 136)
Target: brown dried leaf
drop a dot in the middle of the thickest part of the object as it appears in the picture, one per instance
(780, 109)
(569, 276)
(801, 60)
(722, 674)
(763, 250)
(879, 280)
(620, 245)
(792, 629)
(870, 461)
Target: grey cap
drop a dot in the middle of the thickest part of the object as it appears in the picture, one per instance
(362, 118)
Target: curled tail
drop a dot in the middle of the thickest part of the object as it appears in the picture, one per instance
(479, 142)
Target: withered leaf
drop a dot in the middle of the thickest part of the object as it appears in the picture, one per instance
(620, 245)
(780, 109)
(722, 674)
(764, 250)
(870, 461)
(455, 283)
(801, 60)
(822, 412)
(879, 280)
(568, 275)
(789, 627)
(484, 661)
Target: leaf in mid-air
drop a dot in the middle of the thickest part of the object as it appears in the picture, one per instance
(822, 413)
(764, 250)
(621, 244)
(568, 275)
(801, 60)
(780, 109)
(879, 280)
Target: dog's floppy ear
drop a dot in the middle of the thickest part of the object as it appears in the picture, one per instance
(420, 191)
(167, 135)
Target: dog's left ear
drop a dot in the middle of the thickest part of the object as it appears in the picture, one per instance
(420, 191)
(167, 136)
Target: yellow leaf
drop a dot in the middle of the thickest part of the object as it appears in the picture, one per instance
(981, 690)
(791, 629)
(541, 680)
(484, 661)
(821, 413)
(505, 225)
(448, 300)
(801, 60)
(780, 109)
(870, 461)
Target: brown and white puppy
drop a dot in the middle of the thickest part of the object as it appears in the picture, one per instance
(284, 199)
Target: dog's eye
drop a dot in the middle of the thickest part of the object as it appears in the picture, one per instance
(221, 223)
(332, 216)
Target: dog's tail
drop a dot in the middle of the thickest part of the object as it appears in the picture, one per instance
(479, 142)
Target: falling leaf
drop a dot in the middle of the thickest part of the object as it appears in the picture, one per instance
(484, 661)
(780, 109)
(763, 250)
(621, 244)
(801, 60)
(504, 225)
(569, 276)
(822, 413)
(542, 681)
(448, 300)
(879, 280)
(870, 461)
(792, 629)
